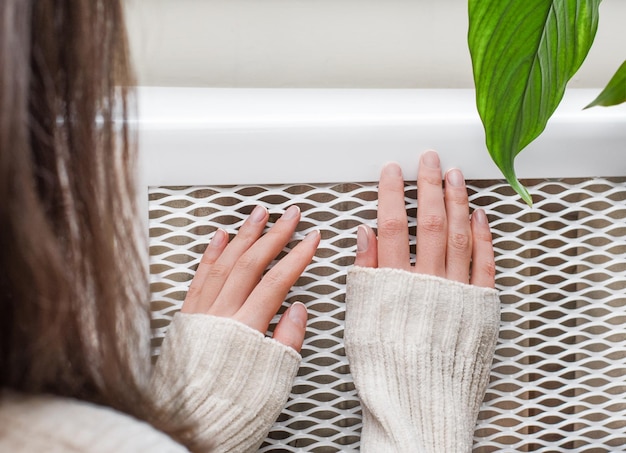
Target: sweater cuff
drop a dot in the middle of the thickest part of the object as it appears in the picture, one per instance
(224, 381)
(420, 348)
(435, 314)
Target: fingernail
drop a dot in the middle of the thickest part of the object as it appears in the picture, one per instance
(455, 178)
(362, 239)
(480, 216)
(298, 314)
(430, 159)
(218, 238)
(392, 169)
(311, 235)
(291, 213)
(258, 214)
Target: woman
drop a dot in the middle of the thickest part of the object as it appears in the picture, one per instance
(74, 338)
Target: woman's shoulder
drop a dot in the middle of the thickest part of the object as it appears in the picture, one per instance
(56, 424)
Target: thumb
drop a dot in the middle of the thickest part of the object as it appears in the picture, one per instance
(292, 326)
(366, 247)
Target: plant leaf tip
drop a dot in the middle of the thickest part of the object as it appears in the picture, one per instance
(521, 191)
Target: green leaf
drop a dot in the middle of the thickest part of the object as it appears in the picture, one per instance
(615, 92)
(523, 54)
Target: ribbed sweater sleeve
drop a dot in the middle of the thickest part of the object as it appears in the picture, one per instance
(226, 382)
(420, 349)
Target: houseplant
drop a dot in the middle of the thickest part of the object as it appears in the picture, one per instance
(523, 54)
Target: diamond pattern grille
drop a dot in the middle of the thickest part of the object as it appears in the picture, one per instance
(559, 377)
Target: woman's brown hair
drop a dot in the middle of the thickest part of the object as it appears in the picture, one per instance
(73, 293)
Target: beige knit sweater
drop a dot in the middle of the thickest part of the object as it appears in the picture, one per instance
(419, 348)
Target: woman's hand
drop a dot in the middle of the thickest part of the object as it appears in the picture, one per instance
(229, 281)
(447, 240)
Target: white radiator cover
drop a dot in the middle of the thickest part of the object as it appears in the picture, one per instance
(559, 377)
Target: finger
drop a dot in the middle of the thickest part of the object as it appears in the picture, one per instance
(483, 262)
(193, 302)
(459, 245)
(366, 247)
(291, 328)
(219, 271)
(431, 217)
(269, 294)
(393, 227)
(249, 268)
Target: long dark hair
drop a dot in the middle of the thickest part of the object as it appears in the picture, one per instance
(73, 292)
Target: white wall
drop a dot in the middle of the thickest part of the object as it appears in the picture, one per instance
(326, 43)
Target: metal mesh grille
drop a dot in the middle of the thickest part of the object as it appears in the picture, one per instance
(559, 377)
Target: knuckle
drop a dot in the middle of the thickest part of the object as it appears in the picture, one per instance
(432, 223)
(460, 242)
(246, 235)
(392, 227)
(458, 197)
(193, 291)
(218, 271)
(275, 279)
(488, 269)
(246, 262)
(279, 233)
(430, 179)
